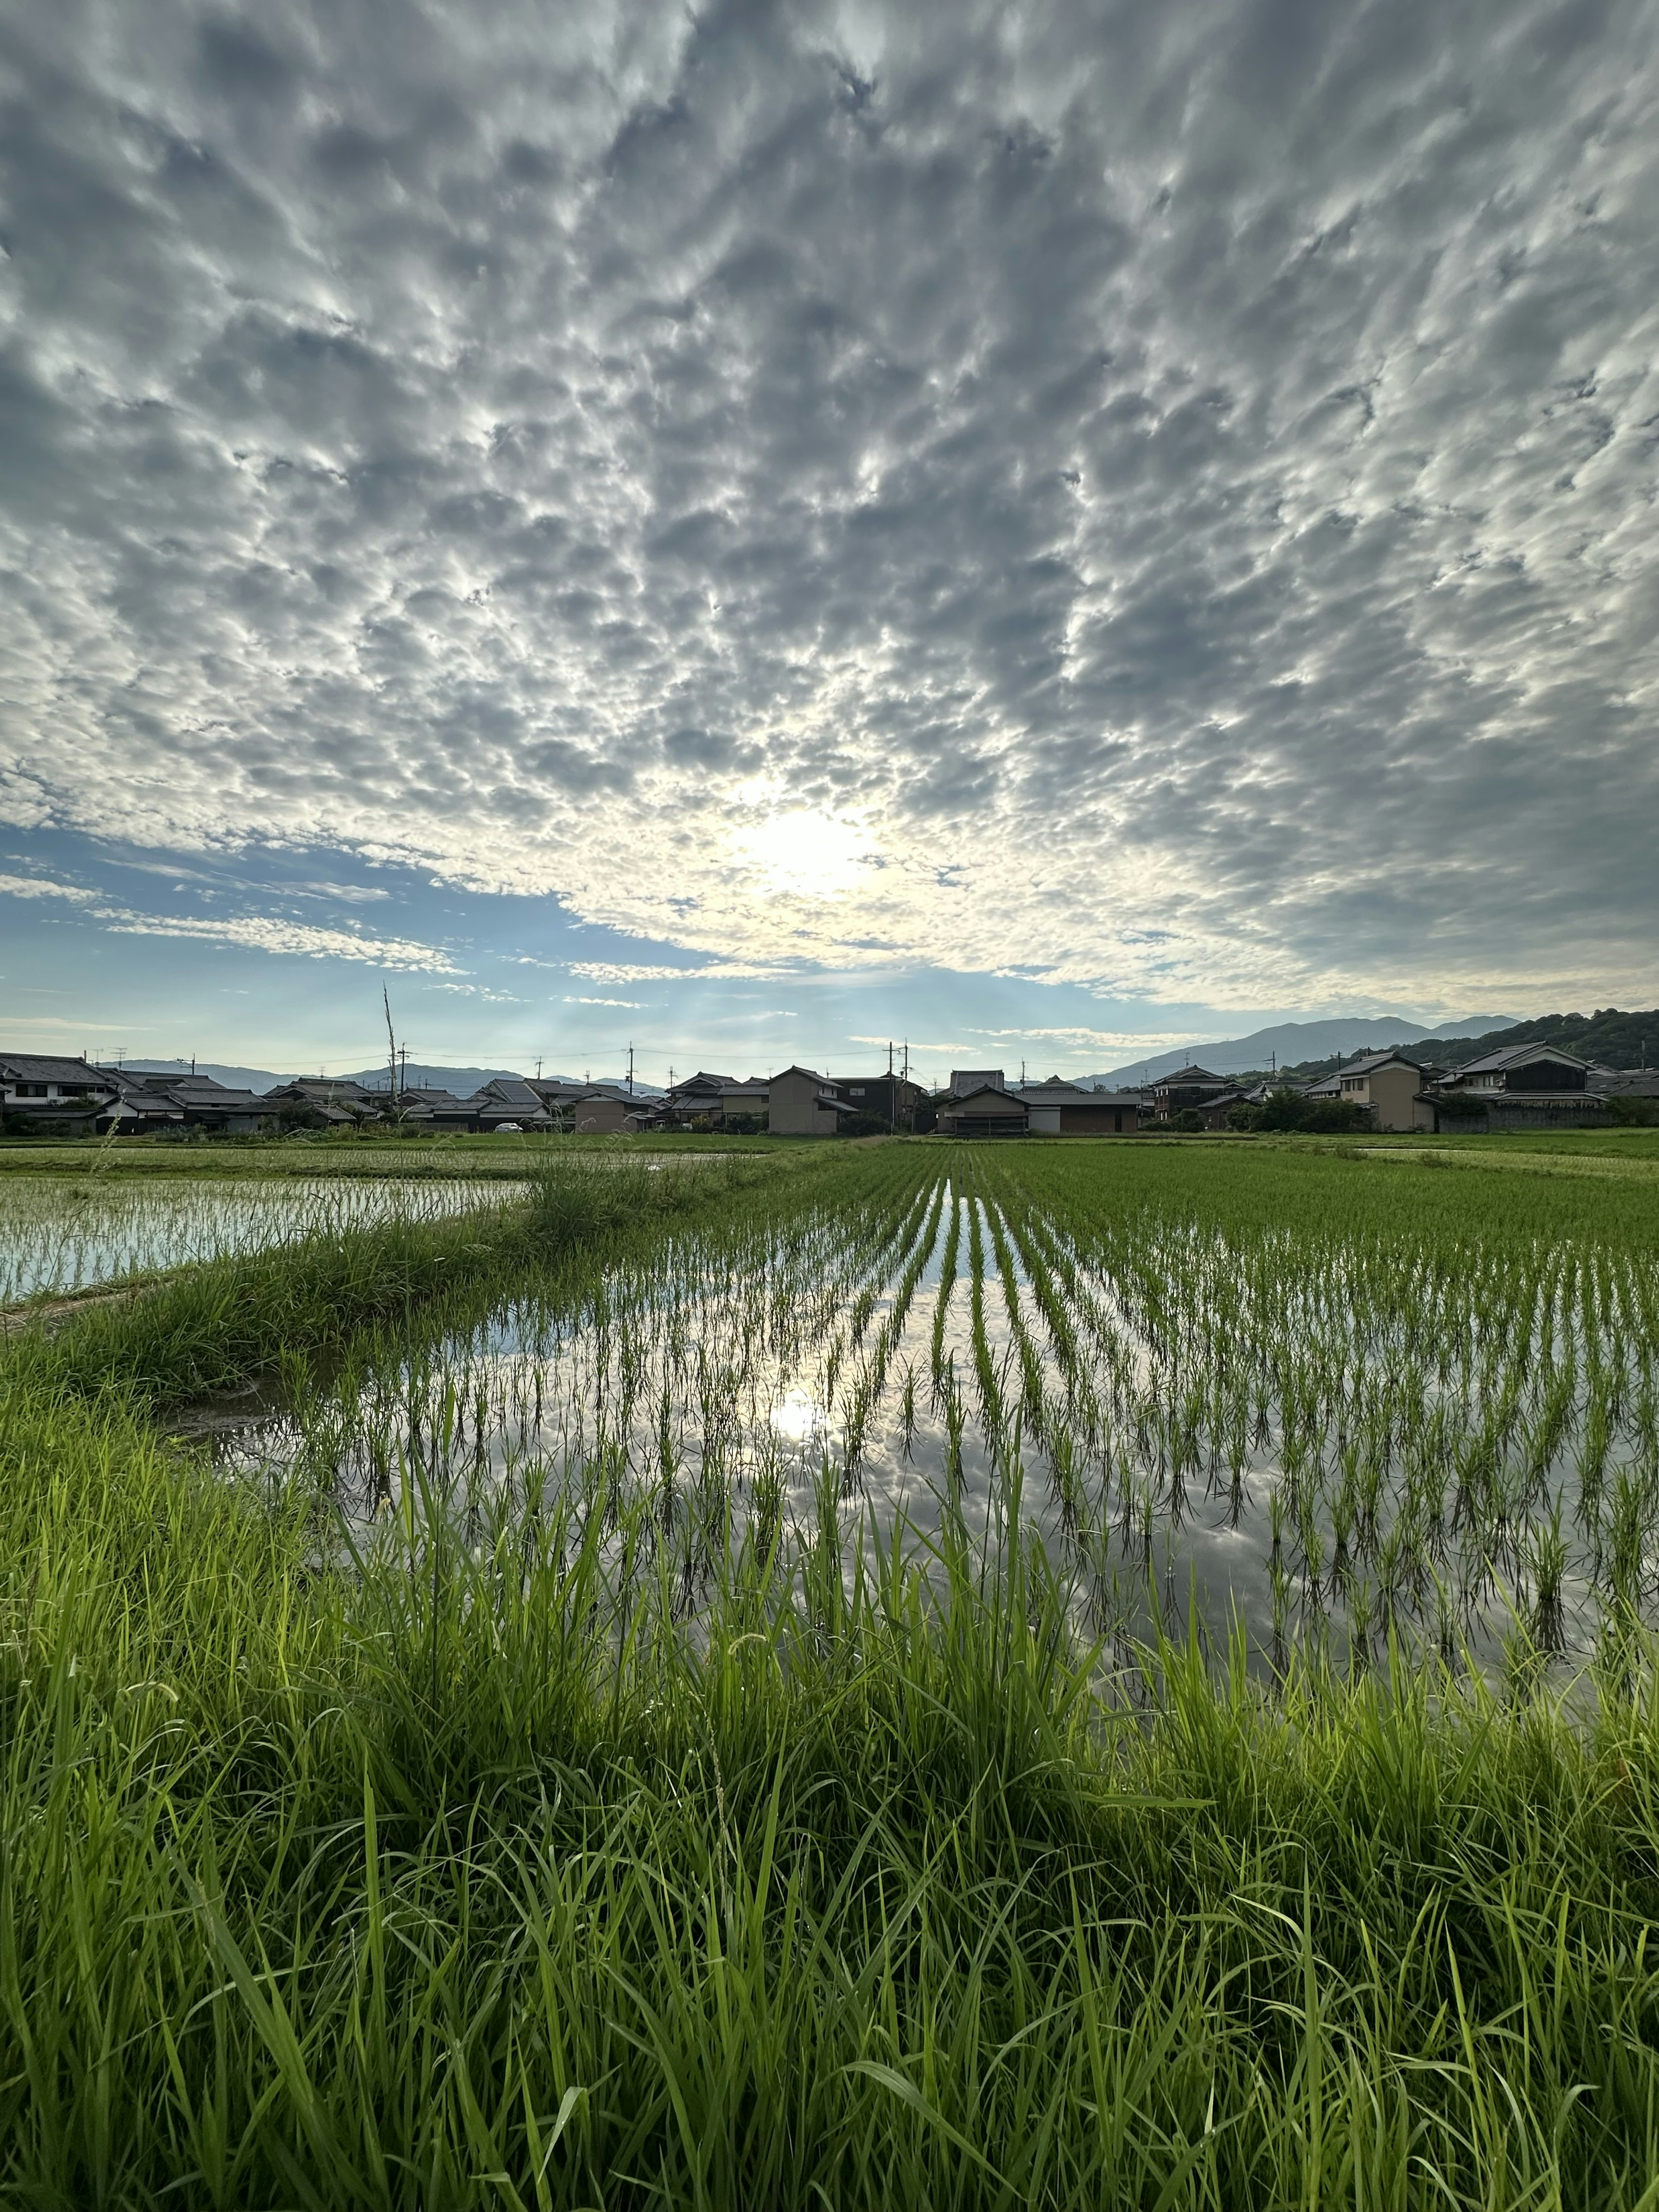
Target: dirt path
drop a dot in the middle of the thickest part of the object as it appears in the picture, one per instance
(52, 1313)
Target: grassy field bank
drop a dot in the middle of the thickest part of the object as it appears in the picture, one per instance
(478, 1868)
(364, 1153)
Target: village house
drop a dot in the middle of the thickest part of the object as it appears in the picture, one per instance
(54, 1093)
(1520, 1086)
(152, 1101)
(426, 1106)
(695, 1098)
(979, 1105)
(324, 1102)
(1057, 1109)
(803, 1103)
(508, 1101)
(602, 1113)
(1191, 1087)
(1386, 1085)
(750, 1102)
(884, 1097)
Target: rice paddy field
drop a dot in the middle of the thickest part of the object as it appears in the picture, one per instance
(1007, 1674)
(60, 1234)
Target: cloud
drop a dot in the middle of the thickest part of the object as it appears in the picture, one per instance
(621, 971)
(35, 887)
(1157, 499)
(601, 1002)
(267, 933)
(1105, 1039)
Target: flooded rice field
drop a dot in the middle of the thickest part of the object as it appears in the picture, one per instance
(60, 1234)
(1327, 1437)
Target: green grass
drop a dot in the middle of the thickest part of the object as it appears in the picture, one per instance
(324, 1156)
(1584, 1144)
(472, 1869)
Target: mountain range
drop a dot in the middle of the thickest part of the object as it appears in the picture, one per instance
(1289, 1044)
(1306, 1050)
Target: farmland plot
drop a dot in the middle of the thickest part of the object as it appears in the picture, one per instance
(60, 1234)
(1333, 1432)
(615, 1814)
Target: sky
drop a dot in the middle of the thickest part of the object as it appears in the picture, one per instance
(754, 531)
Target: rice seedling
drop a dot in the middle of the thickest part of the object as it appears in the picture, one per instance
(678, 1696)
(60, 1234)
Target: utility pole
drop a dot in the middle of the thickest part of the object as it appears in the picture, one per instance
(538, 1068)
(630, 1071)
(402, 1056)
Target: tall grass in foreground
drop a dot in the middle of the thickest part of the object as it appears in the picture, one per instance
(473, 1875)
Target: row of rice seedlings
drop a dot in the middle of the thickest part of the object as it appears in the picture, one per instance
(667, 1377)
(1432, 1455)
(1209, 1353)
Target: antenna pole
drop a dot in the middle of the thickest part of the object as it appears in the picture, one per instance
(391, 1042)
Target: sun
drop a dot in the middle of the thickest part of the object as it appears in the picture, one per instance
(814, 855)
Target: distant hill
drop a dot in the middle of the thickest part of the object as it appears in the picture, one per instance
(1291, 1043)
(233, 1078)
(1610, 1038)
(423, 1076)
(462, 1081)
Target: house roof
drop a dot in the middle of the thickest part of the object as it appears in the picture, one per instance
(199, 1092)
(510, 1091)
(1518, 1056)
(51, 1067)
(324, 1087)
(1626, 1082)
(984, 1098)
(1369, 1060)
(1188, 1078)
(966, 1080)
(1075, 1094)
(702, 1080)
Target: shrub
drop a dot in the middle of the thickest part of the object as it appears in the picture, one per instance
(1455, 1106)
(1334, 1117)
(1633, 1111)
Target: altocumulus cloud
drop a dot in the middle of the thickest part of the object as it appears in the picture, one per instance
(271, 934)
(1156, 497)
